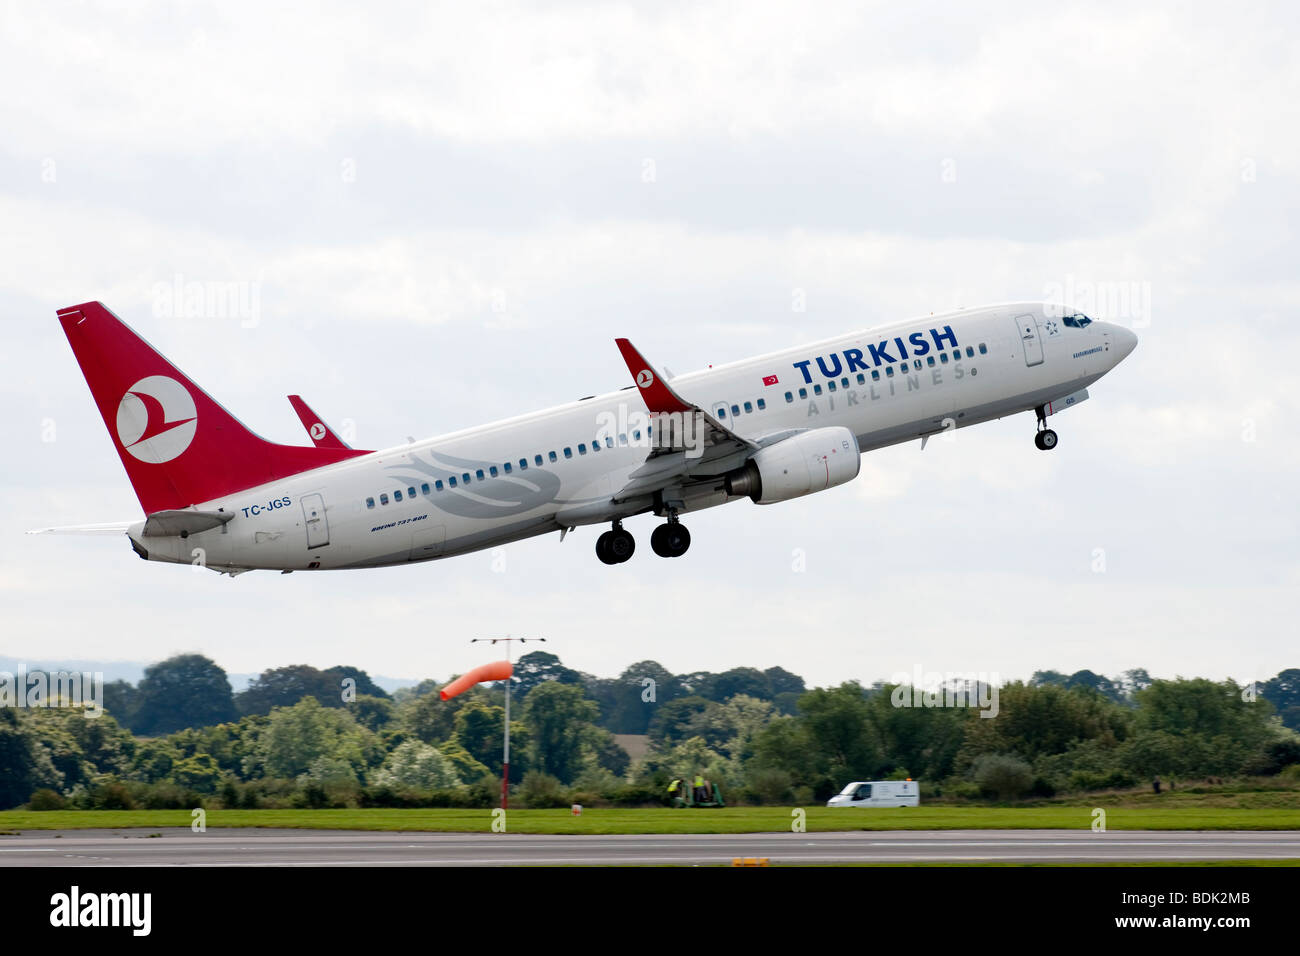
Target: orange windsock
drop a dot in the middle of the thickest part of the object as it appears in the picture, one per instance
(497, 670)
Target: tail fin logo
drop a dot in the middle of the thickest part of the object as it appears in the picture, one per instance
(156, 419)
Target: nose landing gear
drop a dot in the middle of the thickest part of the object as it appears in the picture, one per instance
(1045, 440)
(616, 545)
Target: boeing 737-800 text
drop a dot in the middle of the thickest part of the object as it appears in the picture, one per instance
(768, 429)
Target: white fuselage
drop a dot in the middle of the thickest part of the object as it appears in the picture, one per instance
(961, 368)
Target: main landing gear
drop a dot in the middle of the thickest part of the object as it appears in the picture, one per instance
(616, 545)
(1045, 440)
(670, 539)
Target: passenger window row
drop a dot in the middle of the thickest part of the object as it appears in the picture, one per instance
(492, 471)
(903, 369)
(748, 407)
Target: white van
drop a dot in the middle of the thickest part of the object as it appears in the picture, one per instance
(878, 793)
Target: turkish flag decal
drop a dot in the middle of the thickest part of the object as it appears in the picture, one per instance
(769, 379)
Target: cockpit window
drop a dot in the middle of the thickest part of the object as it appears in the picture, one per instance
(1077, 321)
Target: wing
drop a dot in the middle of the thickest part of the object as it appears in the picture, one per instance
(320, 433)
(689, 443)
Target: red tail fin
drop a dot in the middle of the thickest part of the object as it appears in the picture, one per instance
(178, 445)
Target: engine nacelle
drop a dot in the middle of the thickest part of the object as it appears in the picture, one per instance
(812, 461)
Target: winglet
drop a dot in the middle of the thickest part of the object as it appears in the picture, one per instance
(659, 397)
(318, 431)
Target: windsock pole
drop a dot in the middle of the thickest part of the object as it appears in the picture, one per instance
(505, 754)
(505, 759)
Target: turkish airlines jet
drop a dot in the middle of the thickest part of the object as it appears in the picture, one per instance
(766, 429)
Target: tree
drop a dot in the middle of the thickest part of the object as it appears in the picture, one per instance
(537, 668)
(297, 736)
(784, 745)
(609, 755)
(557, 716)
(783, 682)
(285, 686)
(841, 732)
(1035, 721)
(188, 690)
(433, 719)
(363, 684)
(417, 765)
(1205, 707)
(1095, 682)
(374, 713)
(19, 773)
(1283, 692)
(1133, 681)
(199, 773)
(925, 740)
(480, 729)
(122, 700)
(636, 694)
(739, 680)
(466, 767)
(685, 717)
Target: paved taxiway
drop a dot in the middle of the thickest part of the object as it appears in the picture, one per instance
(255, 847)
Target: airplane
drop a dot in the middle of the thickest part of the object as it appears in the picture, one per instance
(767, 429)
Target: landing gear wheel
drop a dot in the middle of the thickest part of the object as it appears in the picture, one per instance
(615, 546)
(602, 549)
(670, 540)
(621, 545)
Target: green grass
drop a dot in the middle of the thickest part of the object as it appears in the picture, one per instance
(728, 820)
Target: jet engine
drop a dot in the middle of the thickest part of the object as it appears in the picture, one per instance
(810, 461)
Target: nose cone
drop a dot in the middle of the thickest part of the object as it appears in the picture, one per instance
(1125, 340)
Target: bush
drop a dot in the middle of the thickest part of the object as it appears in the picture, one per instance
(1117, 779)
(46, 799)
(483, 793)
(229, 795)
(637, 795)
(111, 796)
(165, 796)
(1279, 756)
(1005, 776)
(540, 791)
(773, 786)
(312, 797)
(386, 795)
(1042, 787)
(958, 789)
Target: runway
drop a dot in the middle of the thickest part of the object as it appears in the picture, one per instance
(257, 847)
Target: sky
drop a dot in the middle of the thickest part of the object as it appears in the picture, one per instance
(438, 215)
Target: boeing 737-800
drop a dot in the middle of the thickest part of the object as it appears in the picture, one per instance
(766, 429)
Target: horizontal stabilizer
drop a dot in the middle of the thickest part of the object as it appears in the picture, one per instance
(108, 527)
(163, 524)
